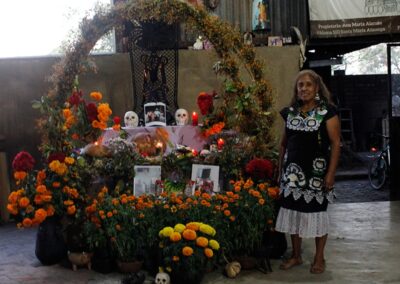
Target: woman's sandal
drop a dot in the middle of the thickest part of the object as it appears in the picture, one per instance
(290, 263)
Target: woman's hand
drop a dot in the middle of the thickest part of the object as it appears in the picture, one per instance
(329, 181)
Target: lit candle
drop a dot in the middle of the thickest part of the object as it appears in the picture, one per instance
(195, 119)
(159, 148)
(220, 143)
(194, 152)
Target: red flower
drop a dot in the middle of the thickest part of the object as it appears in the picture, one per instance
(75, 98)
(260, 169)
(23, 161)
(205, 102)
(91, 110)
(56, 156)
(117, 120)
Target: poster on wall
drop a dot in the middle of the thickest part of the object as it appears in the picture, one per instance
(261, 20)
(343, 18)
(145, 181)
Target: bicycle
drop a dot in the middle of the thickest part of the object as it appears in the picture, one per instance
(378, 170)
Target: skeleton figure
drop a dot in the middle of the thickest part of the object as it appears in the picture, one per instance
(131, 119)
(162, 278)
(181, 117)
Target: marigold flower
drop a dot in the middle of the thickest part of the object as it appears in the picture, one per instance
(27, 222)
(12, 209)
(38, 199)
(273, 192)
(189, 235)
(118, 227)
(68, 202)
(175, 237)
(46, 197)
(261, 201)
(208, 252)
(214, 244)
(30, 209)
(56, 184)
(167, 231)
(179, 228)
(195, 226)
(207, 229)
(40, 215)
(50, 210)
(69, 160)
(202, 242)
(227, 212)
(41, 189)
(175, 258)
(13, 197)
(187, 251)
(23, 202)
(20, 175)
(109, 214)
(71, 210)
(96, 96)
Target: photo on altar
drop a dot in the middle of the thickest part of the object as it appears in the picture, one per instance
(146, 180)
(155, 114)
(205, 177)
(261, 20)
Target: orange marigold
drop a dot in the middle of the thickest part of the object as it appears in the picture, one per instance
(41, 188)
(20, 175)
(96, 96)
(175, 258)
(175, 237)
(193, 226)
(261, 201)
(187, 251)
(40, 215)
(202, 242)
(27, 222)
(71, 210)
(24, 202)
(50, 210)
(12, 209)
(208, 252)
(227, 212)
(189, 235)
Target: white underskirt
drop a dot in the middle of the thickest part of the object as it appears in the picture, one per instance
(306, 225)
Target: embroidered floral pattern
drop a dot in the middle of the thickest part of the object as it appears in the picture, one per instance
(319, 166)
(294, 176)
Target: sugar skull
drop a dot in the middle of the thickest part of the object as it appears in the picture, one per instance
(162, 278)
(181, 117)
(131, 119)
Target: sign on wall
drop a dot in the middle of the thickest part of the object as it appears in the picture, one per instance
(344, 18)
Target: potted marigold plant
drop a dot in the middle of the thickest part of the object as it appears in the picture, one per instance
(187, 251)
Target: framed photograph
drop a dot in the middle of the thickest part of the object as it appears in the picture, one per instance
(155, 114)
(205, 177)
(261, 20)
(275, 41)
(145, 181)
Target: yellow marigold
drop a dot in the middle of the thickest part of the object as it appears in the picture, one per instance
(20, 175)
(167, 231)
(208, 252)
(71, 210)
(207, 229)
(213, 244)
(40, 215)
(187, 251)
(202, 242)
(179, 228)
(27, 222)
(175, 237)
(23, 202)
(69, 160)
(96, 96)
(189, 235)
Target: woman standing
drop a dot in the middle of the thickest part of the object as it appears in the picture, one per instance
(309, 155)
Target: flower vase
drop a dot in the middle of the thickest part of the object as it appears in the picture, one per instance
(133, 266)
(50, 245)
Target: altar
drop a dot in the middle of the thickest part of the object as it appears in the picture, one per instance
(169, 136)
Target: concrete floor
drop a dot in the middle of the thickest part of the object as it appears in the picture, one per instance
(363, 247)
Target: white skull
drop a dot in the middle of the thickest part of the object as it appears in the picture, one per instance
(181, 117)
(131, 119)
(162, 278)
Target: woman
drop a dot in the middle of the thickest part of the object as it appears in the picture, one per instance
(311, 148)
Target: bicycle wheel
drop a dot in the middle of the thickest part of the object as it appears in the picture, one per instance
(377, 172)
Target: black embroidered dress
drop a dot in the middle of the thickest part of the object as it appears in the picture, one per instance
(304, 201)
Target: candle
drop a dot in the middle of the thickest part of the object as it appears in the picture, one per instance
(220, 143)
(195, 119)
(194, 152)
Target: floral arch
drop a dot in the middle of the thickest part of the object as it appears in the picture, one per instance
(246, 107)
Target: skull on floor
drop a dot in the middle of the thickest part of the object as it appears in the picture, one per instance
(162, 278)
(181, 117)
(131, 119)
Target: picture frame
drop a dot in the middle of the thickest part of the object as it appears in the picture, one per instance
(261, 20)
(205, 177)
(146, 180)
(275, 41)
(155, 114)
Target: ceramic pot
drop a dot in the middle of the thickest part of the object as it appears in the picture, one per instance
(80, 259)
